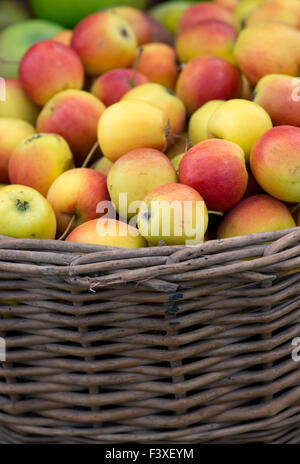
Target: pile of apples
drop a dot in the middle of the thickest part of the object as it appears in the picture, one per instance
(105, 122)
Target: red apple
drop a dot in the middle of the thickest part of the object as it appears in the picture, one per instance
(217, 170)
(49, 67)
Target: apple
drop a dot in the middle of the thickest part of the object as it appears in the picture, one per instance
(208, 36)
(134, 175)
(247, 89)
(157, 61)
(73, 114)
(239, 121)
(181, 144)
(217, 170)
(25, 213)
(138, 21)
(206, 78)
(12, 132)
(166, 100)
(132, 124)
(174, 214)
(64, 37)
(70, 12)
(279, 95)
(112, 85)
(77, 193)
(269, 48)
(12, 12)
(283, 11)
(116, 38)
(103, 165)
(47, 68)
(199, 121)
(16, 103)
(169, 13)
(107, 232)
(275, 161)
(16, 39)
(38, 160)
(258, 213)
(205, 10)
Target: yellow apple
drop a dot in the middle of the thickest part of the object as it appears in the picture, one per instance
(134, 175)
(176, 161)
(103, 165)
(131, 124)
(241, 122)
(25, 213)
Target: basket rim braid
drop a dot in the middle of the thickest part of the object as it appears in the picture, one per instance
(169, 344)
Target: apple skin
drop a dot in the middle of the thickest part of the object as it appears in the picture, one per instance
(164, 99)
(210, 36)
(111, 86)
(12, 132)
(73, 114)
(205, 10)
(176, 162)
(103, 165)
(199, 121)
(275, 161)
(77, 192)
(38, 160)
(239, 121)
(25, 213)
(131, 124)
(137, 173)
(258, 213)
(64, 37)
(244, 8)
(48, 68)
(269, 48)
(17, 105)
(158, 62)
(107, 232)
(117, 38)
(70, 12)
(152, 217)
(206, 78)
(216, 169)
(279, 95)
(138, 21)
(283, 11)
(16, 39)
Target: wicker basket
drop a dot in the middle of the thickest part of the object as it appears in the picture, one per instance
(155, 345)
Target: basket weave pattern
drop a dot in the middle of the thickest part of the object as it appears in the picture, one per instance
(159, 345)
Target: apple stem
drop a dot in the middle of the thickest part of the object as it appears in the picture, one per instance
(66, 232)
(216, 213)
(135, 67)
(89, 156)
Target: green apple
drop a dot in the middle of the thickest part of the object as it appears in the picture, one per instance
(70, 12)
(15, 40)
(12, 12)
(169, 13)
(25, 213)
